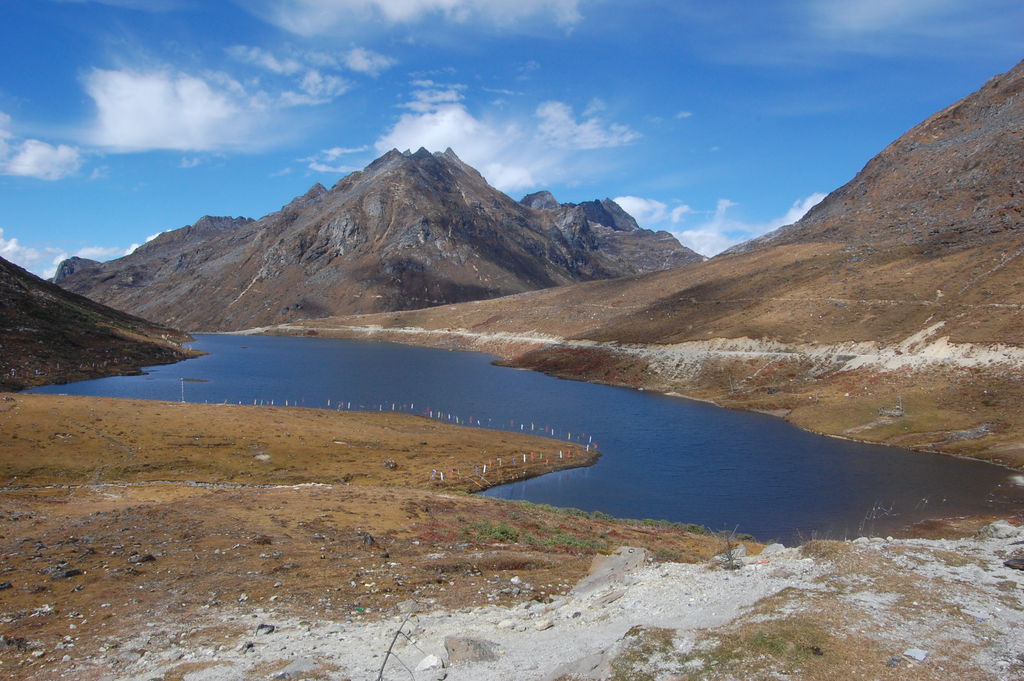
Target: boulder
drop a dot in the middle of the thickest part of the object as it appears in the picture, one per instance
(612, 569)
(298, 667)
(429, 662)
(1000, 529)
(466, 649)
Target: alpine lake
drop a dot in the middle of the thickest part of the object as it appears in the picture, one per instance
(664, 458)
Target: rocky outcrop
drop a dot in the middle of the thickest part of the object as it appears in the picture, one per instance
(411, 230)
(71, 265)
(604, 225)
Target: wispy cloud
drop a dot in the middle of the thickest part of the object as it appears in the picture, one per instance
(320, 17)
(653, 212)
(559, 126)
(429, 95)
(35, 158)
(326, 160)
(863, 17)
(367, 61)
(722, 230)
(818, 33)
(258, 56)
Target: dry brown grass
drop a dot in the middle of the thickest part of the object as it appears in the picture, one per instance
(313, 550)
(51, 439)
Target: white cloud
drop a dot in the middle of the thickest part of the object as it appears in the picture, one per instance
(651, 212)
(137, 111)
(680, 115)
(493, 148)
(312, 76)
(594, 107)
(559, 127)
(722, 231)
(366, 61)
(798, 210)
(35, 158)
(317, 88)
(512, 154)
(318, 17)
(719, 230)
(13, 251)
(102, 253)
(43, 261)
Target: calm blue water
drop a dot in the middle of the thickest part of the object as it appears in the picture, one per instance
(664, 457)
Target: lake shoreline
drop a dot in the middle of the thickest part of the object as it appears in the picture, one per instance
(521, 351)
(177, 439)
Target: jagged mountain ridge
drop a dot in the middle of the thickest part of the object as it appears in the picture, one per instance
(49, 335)
(411, 230)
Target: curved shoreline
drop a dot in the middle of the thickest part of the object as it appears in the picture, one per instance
(666, 369)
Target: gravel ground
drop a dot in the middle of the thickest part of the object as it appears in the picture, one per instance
(911, 608)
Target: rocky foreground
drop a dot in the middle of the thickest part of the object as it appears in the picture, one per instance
(866, 609)
(261, 543)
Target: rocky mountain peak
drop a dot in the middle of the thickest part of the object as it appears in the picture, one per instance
(411, 230)
(542, 200)
(69, 266)
(610, 214)
(219, 222)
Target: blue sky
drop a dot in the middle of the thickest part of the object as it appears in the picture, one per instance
(718, 121)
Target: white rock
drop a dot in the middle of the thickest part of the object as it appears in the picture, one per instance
(916, 654)
(541, 625)
(429, 662)
(1000, 529)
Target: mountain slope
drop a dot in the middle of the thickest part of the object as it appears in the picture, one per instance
(953, 180)
(409, 231)
(906, 284)
(48, 335)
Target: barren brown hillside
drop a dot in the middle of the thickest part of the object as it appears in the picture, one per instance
(49, 335)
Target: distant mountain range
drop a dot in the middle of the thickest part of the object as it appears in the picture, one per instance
(49, 335)
(904, 286)
(409, 231)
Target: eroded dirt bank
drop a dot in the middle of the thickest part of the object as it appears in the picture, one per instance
(923, 393)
